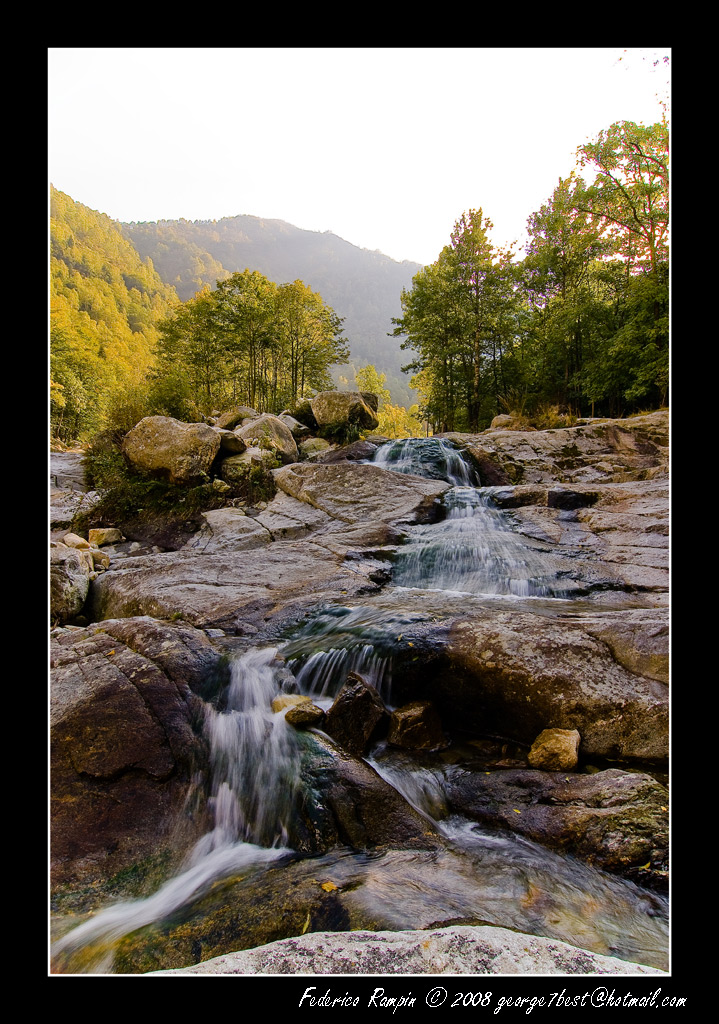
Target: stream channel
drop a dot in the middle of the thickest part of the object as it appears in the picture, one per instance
(479, 875)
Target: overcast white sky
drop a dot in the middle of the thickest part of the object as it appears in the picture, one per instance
(384, 147)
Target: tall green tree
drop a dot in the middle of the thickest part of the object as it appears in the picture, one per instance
(629, 200)
(311, 341)
(461, 317)
(248, 341)
(629, 196)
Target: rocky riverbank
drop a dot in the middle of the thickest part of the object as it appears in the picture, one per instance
(478, 693)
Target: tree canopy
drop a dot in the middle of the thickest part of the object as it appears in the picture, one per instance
(248, 341)
(580, 323)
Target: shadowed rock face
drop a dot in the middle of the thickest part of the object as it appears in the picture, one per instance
(125, 744)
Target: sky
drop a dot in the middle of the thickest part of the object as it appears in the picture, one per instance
(385, 147)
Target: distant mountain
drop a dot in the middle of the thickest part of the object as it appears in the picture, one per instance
(363, 287)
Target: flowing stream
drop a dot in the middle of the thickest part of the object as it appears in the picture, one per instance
(255, 757)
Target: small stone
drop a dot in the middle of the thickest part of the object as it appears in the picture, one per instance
(555, 750)
(416, 726)
(304, 715)
(73, 541)
(105, 535)
(288, 700)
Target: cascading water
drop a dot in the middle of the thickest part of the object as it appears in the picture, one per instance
(256, 769)
(433, 457)
(472, 550)
(253, 754)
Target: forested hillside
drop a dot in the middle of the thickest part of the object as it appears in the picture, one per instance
(105, 303)
(362, 287)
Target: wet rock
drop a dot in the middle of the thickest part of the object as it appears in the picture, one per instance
(305, 716)
(348, 804)
(396, 891)
(515, 674)
(416, 726)
(125, 751)
(555, 750)
(356, 716)
(614, 819)
(288, 700)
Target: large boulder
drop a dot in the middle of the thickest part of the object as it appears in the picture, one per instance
(493, 670)
(236, 470)
(340, 409)
(126, 745)
(239, 414)
(517, 674)
(165, 447)
(272, 433)
(615, 819)
(459, 950)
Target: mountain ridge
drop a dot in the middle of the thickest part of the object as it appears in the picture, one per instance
(363, 286)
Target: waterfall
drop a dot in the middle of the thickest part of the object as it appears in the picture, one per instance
(433, 457)
(474, 549)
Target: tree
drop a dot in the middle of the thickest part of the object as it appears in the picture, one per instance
(249, 341)
(368, 379)
(564, 295)
(629, 196)
(311, 340)
(629, 200)
(461, 316)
